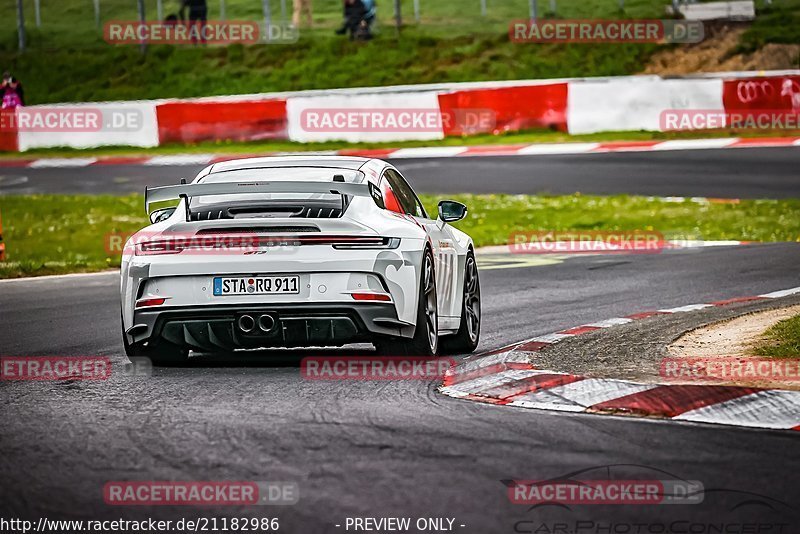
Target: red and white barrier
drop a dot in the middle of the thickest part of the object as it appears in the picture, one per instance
(336, 117)
(117, 124)
(775, 93)
(633, 103)
(584, 105)
(513, 108)
(190, 121)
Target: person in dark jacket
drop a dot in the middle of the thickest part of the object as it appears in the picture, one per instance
(198, 15)
(11, 92)
(355, 13)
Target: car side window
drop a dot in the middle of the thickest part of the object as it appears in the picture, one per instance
(390, 200)
(408, 200)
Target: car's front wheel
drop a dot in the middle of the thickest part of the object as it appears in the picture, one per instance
(469, 333)
(426, 334)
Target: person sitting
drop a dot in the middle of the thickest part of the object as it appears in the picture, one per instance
(355, 20)
(372, 11)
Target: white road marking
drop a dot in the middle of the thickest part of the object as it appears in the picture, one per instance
(690, 307)
(557, 148)
(179, 159)
(695, 144)
(427, 152)
(783, 293)
(61, 162)
(610, 322)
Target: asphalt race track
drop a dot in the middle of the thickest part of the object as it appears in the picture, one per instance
(733, 173)
(376, 448)
(399, 448)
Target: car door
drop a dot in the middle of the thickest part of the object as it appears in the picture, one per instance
(444, 251)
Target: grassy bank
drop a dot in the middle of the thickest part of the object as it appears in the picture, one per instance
(51, 234)
(781, 340)
(67, 59)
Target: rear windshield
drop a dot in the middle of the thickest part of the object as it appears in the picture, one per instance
(272, 205)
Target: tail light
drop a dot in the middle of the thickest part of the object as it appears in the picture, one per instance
(175, 245)
(373, 243)
(374, 297)
(146, 303)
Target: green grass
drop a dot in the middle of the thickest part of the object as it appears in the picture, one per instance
(67, 60)
(267, 147)
(49, 234)
(782, 340)
(779, 23)
(121, 73)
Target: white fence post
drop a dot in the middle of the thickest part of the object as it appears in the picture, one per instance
(267, 18)
(142, 19)
(21, 26)
(398, 17)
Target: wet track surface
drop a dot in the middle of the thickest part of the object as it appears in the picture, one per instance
(731, 173)
(383, 448)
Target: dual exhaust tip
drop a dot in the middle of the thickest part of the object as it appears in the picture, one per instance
(248, 324)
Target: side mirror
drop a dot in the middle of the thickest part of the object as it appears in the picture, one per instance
(451, 211)
(161, 215)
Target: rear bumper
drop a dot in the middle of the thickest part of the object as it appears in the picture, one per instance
(215, 328)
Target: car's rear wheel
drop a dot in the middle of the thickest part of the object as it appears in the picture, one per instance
(469, 333)
(162, 353)
(426, 334)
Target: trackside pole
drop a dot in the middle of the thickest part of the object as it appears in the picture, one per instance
(21, 26)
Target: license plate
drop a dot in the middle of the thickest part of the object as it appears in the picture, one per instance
(256, 285)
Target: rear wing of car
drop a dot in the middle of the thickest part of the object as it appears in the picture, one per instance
(176, 192)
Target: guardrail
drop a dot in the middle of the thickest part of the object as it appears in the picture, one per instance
(577, 106)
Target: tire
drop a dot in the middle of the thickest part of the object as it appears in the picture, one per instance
(426, 334)
(163, 353)
(466, 339)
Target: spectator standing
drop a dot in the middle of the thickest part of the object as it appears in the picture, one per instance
(198, 16)
(11, 91)
(300, 8)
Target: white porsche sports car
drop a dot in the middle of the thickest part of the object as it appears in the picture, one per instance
(298, 251)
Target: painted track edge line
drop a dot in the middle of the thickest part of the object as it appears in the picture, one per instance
(533, 149)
